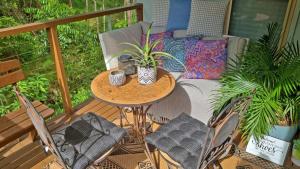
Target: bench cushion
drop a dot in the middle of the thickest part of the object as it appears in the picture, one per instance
(191, 96)
(194, 96)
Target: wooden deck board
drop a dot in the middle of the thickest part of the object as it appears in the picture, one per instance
(25, 154)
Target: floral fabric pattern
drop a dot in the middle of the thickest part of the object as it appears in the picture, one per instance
(176, 47)
(157, 36)
(205, 59)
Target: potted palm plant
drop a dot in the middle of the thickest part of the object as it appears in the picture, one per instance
(147, 58)
(270, 74)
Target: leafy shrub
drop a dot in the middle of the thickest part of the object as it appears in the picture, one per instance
(35, 88)
(82, 54)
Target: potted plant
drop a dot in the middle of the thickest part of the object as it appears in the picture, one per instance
(296, 153)
(147, 59)
(270, 74)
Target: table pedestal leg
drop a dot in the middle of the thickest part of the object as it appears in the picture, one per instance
(140, 121)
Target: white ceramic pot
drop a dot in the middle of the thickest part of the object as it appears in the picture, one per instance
(146, 75)
(117, 77)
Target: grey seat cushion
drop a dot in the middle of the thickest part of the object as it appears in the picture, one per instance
(86, 139)
(183, 139)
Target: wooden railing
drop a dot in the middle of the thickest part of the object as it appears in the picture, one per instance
(51, 27)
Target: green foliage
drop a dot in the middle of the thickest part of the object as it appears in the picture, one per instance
(80, 96)
(8, 101)
(82, 55)
(270, 75)
(35, 88)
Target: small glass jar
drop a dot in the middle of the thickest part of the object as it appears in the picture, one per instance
(126, 63)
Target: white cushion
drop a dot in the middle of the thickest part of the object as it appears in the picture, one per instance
(207, 17)
(191, 96)
(160, 12)
(111, 42)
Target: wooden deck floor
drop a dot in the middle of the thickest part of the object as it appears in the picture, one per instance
(25, 154)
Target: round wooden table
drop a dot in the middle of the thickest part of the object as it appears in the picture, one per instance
(132, 94)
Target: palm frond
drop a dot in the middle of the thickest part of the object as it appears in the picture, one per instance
(270, 41)
(260, 117)
(290, 64)
(233, 86)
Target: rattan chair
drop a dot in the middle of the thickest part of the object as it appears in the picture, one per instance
(187, 143)
(84, 143)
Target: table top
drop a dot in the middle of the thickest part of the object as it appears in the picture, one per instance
(132, 93)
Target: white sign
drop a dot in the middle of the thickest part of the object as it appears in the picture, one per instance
(269, 148)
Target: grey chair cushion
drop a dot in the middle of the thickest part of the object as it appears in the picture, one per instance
(183, 139)
(86, 139)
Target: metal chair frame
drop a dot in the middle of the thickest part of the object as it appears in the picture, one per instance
(45, 136)
(213, 154)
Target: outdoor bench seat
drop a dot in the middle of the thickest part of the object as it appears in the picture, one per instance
(191, 96)
(15, 124)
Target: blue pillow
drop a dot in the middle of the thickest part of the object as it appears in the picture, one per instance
(179, 14)
(177, 48)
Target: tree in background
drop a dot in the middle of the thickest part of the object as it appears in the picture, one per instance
(82, 55)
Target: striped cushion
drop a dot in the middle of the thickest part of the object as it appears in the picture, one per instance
(207, 17)
(160, 12)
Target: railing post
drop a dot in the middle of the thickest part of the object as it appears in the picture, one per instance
(59, 67)
(289, 15)
(139, 12)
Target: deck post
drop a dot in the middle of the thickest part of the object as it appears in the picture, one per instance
(59, 67)
(289, 15)
(139, 12)
(227, 17)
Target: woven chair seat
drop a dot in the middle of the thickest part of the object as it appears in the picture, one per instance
(86, 139)
(183, 139)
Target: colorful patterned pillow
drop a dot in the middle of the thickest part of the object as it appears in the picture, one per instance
(176, 47)
(157, 36)
(205, 59)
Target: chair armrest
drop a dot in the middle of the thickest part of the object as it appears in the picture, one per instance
(111, 42)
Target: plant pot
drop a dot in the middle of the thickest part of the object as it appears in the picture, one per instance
(146, 75)
(117, 77)
(296, 156)
(285, 133)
